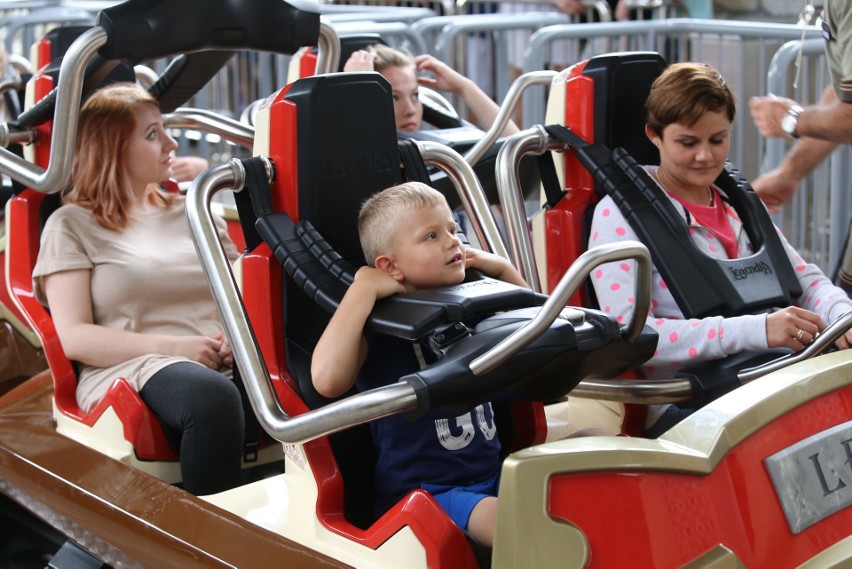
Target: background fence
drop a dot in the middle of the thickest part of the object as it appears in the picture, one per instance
(493, 42)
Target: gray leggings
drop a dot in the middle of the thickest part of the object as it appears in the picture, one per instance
(202, 414)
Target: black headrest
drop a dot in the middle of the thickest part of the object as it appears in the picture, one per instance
(622, 83)
(347, 150)
(352, 43)
(61, 39)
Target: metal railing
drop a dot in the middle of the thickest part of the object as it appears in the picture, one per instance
(816, 219)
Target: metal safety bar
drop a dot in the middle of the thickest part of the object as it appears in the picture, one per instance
(328, 50)
(337, 416)
(470, 192)
(659, 391)
(71, 74)
(565, 289)
(533, 140)
(507, 107)
(357, 409)
(208, 121)
(822, 342)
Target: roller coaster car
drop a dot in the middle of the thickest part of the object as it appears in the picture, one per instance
(308, 223)
(759, 466)
(120, 425)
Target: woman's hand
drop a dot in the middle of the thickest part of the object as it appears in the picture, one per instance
(793, 328)
(206, 350)
(226, 354)
(360, 60)
(446, 78)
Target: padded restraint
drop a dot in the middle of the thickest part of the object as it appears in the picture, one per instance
(347, 150)
(323, 275)
(701, 286)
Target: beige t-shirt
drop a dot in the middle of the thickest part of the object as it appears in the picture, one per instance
(145, 279)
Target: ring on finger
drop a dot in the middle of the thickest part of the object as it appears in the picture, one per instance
(212, 364)
(799, 335)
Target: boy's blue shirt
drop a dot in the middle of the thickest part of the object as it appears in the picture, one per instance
(449, 448)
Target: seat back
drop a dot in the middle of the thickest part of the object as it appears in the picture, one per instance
(603, 101)
(333, 142)
(611, 91)
(27, 213)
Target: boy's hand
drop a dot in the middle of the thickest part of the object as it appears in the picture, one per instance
(381, 283)
(493, 265)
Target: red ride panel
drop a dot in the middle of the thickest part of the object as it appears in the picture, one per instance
(658, 519)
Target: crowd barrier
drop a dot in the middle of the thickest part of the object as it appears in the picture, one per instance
(817, 217)
(486, 42)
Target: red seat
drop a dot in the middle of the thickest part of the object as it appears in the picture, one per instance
(27, 213)
(140, 427)
(333, 142)
(603, 103)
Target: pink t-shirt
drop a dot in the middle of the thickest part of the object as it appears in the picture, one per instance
(714, 218)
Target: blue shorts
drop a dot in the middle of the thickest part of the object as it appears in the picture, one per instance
(459, 501)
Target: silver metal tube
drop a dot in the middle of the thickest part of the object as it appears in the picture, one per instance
(208, 121)
(508, 106)
(145, 76)
(533, 140)
(8, 136)
(470, 191)
(56, 175)
(328, 50)
(21, 64)
(642, 391)
(346, 413)
(568, 285)
(13, 82)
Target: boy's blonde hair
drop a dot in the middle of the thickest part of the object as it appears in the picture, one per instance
(381, 215)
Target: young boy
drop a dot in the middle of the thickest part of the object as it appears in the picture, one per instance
(409, 239)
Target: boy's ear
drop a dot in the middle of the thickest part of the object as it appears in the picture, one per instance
(386, 264)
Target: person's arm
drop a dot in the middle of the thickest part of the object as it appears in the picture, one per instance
(342, 349)
(481, 106)
(621, 12)
(494, 266)
(829, 120)
(69, 298)
(187, 168)
(778, 185)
